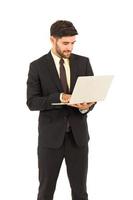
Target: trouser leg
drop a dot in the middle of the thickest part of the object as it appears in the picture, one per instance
(76, 159)
(49, 163)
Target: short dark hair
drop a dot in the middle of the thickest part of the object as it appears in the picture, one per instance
(63, 28)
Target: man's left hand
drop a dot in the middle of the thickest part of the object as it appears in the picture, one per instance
(83, 106)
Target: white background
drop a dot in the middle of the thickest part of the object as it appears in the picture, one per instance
(106, 36)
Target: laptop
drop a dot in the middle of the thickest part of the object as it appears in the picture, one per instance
(89, 89)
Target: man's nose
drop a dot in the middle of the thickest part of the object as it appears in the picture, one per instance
(70, 47)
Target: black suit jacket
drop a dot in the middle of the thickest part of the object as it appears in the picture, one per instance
(43, 88)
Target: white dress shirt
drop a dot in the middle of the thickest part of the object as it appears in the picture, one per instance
(66, 65)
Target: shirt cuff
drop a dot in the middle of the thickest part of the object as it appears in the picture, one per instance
(84, 111)
(61, 99)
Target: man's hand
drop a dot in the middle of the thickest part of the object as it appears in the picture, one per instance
(65, 98)
(83, 106)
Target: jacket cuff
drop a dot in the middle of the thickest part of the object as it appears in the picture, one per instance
(54, 98)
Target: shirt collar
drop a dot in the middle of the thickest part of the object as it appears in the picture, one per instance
(57, 58)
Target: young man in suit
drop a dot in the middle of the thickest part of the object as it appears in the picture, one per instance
(63, 130)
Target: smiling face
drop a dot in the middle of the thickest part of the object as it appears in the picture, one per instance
(63, 46)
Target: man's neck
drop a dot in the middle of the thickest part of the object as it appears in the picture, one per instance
(55, 53)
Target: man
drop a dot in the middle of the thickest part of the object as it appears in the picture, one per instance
(63, 131)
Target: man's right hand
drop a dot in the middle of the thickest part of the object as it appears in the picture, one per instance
(65, 98)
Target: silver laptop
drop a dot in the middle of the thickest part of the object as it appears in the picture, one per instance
(89, 89)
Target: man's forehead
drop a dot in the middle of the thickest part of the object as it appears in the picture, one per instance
(68, 39)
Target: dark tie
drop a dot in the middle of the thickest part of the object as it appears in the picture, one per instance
(63, 77)
(64, 86)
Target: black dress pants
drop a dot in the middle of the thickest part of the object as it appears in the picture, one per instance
(49, 162)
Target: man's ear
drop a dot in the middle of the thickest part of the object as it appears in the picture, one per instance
(52, 39)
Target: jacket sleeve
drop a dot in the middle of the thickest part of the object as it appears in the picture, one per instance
(35, 99)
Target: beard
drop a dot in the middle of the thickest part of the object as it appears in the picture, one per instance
(63, 54)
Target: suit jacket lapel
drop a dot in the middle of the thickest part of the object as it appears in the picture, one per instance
(53, 72)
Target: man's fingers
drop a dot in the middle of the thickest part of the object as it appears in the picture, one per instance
(82, 105)
(66, 97)
(91, 103)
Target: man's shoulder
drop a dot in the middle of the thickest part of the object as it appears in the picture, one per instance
(40, 59)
